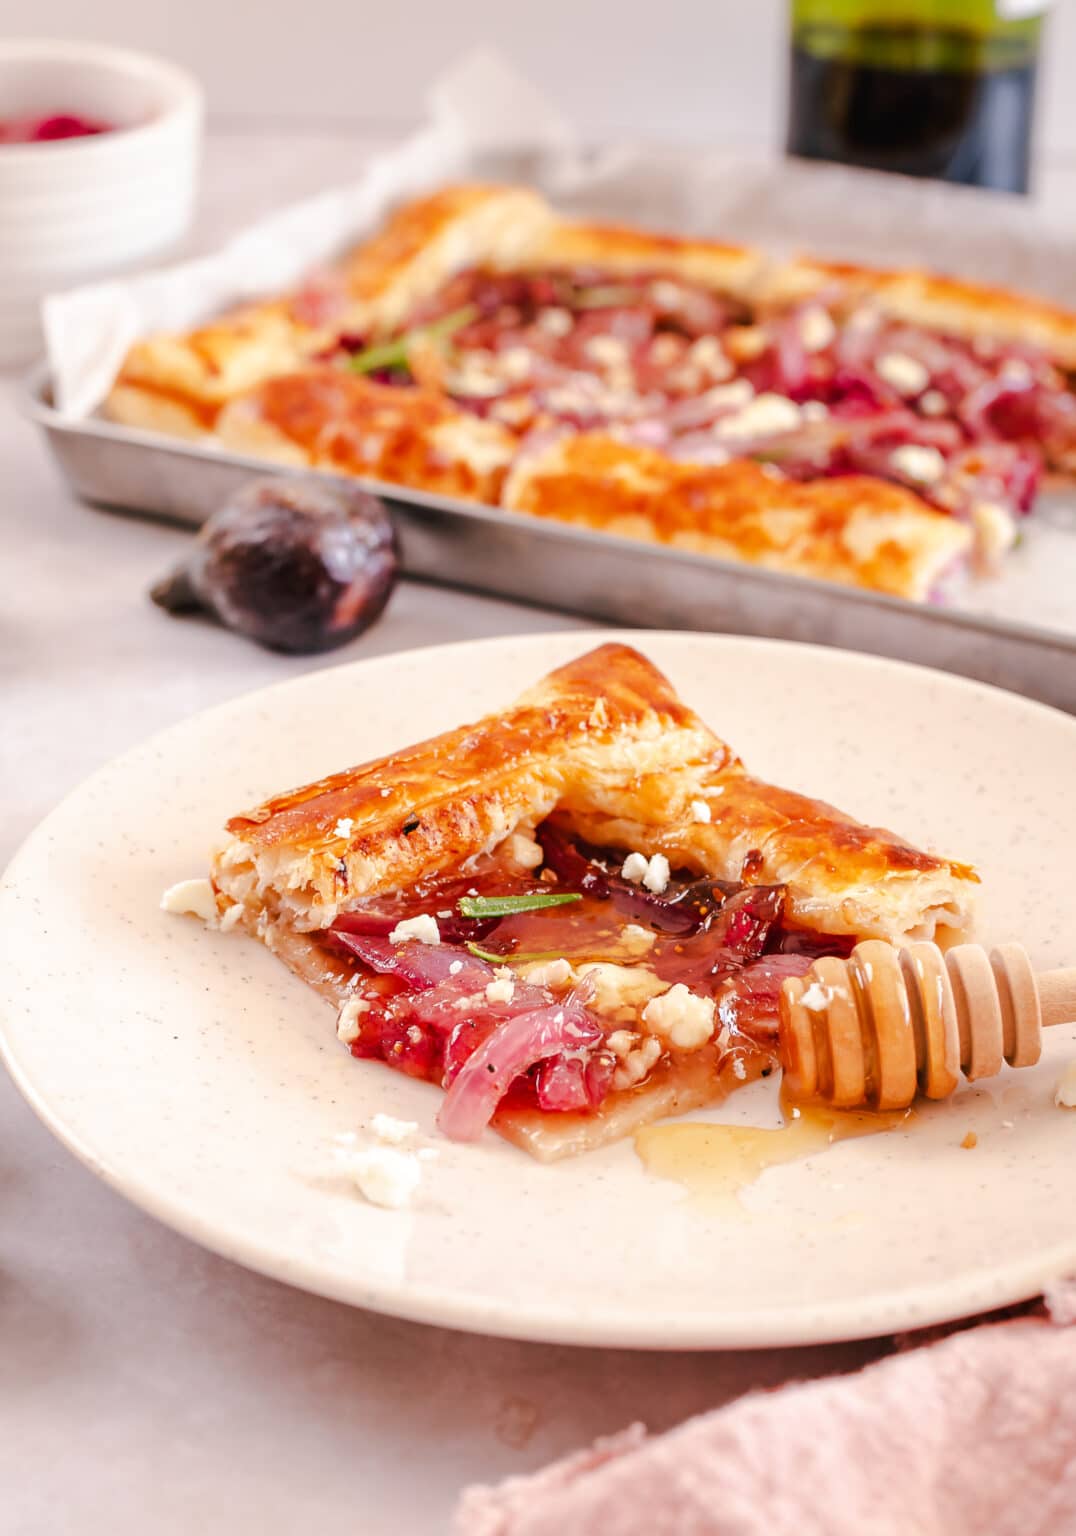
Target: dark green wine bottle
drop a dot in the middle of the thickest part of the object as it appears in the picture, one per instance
(940, 88)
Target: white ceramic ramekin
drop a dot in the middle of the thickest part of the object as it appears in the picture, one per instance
(76, 209)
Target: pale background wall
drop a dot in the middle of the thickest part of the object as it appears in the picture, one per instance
(673, 70)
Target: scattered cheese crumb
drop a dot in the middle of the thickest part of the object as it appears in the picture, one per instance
(906, 375)
(657, 874)
(621, 1041)
(383, 1175)
(668, 295)
(637, 940)
(816, 329)
(684, 1018)
(739, 1069)
(500, 991)
(815, 410)
(554, 974)
(767, 413)
(388, 1129)
(1065, 1092)
(343, 827)
(970, 1140)
(637, 1063)
(455, 968)
(555, 321)
(423, 928)
(933, 403)
(191, 898)
(633, 868)
(1016, 373)
(923, 464)
(700, 811)
(619, 991)
(347, 1020)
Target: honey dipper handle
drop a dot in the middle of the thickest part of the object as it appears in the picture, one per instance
(1057, 995)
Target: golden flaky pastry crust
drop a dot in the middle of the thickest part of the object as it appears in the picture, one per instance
(617, 248)
(333, 420)
(951, 305)
(606, 744)
(854, 530)
(597, 723)
(176, 383)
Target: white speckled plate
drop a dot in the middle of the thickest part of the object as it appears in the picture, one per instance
(194, 1074)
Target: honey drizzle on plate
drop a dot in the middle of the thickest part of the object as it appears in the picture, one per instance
(716, 1162)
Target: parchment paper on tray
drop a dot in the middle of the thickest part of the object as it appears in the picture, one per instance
(487, 122)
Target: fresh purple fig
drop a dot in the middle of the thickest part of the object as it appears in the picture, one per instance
(298, 565)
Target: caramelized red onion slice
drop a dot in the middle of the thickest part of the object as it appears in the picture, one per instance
(749, 1000)
(510, 1050)
(418, 965)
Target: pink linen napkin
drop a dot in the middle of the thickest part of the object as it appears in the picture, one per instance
(974, 1435)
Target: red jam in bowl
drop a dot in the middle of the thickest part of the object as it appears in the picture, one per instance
(48, 129)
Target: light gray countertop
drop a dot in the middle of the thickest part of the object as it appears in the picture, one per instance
(146, 1385)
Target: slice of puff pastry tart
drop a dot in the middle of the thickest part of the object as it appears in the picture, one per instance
(572, 917)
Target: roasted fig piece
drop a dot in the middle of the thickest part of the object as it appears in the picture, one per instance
(297, 565)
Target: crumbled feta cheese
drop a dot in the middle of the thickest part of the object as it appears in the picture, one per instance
(637, 940)
(652, 872)
(525, 851)
(392, 1131)
(514, 410)
(815, 410)
(191, 898)
(514, 364)
(816, 329)
(907, 375)
(555, 321)
(667, 295)
(1015, 372)
(700, 811)
(231, 918)
(707, 354)
(384, 1176)
(606, 351)
(924, 465)
(933, 403)
(816, 998)
(739, 392)
(423, 928)
(621, 1041)
(455, 968)
(747, 342)
(343, 827)
(635, 867)
(385, 793)
(665, 348)
(500, 991)
(619, 991)
(636, 1064)
(347, 1020)
(657, 874)
(1065, 1093)
(739, 1069)
(767, 413)
(554, 974)
(683, 1018)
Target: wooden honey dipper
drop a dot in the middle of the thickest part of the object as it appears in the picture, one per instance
(887, 1023)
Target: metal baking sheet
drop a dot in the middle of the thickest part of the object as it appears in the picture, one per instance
(554, 565)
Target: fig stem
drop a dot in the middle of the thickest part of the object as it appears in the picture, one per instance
(176, 592)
